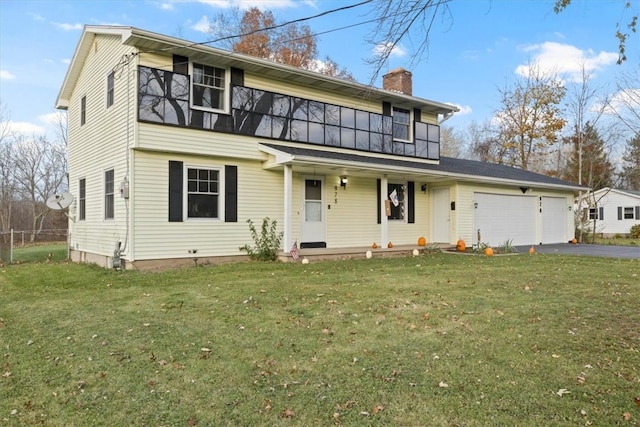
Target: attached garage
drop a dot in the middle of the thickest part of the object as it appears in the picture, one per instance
(499, 218)
(554, 219)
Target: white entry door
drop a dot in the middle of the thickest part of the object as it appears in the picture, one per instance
(441, 208)
(554, 219)
(313, 218)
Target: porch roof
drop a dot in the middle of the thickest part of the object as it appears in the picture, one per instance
(448, 168)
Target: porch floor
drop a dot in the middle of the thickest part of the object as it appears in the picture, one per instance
(357, 252)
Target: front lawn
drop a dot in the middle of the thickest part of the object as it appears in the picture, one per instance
(436, 340)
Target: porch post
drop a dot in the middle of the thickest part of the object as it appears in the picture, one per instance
(288, 180)
(384, 229)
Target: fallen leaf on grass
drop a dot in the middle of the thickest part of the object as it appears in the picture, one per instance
(562, 392)
(288, 413)
(637, 401)
(627, 416)
(443, 384)
(378, 408)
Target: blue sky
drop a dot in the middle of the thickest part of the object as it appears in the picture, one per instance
(475, 50)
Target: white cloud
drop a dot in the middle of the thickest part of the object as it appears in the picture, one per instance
(6, 75)
(203, 25)
(621, 102)
(69, 27)
(566, 60)
(51, 119)
(464, 109)
(397, 51)
(24, 128)
(166, 6)
(66, 61)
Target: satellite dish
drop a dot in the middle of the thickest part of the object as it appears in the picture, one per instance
(59, 201)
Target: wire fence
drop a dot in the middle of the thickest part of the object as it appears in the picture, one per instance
(14, 243)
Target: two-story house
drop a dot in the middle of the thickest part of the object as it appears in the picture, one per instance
(174, 145)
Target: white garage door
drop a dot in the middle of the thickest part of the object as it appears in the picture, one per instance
(554, 219)
(499, 218)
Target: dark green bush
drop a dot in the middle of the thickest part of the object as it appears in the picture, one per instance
(635, 231)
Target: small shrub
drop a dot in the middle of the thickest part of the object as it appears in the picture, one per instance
(480, 248)
(507, 247)
(635, 231)
(266, 243)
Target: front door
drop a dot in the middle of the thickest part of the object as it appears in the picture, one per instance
(441, 208)
(313, 219)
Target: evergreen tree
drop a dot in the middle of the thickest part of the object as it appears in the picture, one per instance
(596, 170)
(631, 168)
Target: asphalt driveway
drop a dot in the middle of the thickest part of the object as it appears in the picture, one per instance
(607, 251)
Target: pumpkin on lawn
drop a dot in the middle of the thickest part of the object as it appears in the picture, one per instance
(422, 241)
(574, 241)
(375, 245)
(461, 246)
(488, 252)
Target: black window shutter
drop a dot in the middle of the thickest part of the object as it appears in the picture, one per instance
(601, 213)
(411, 193)
(619, 213)
(637, 212)
(386, 108)
(237, 76)
(180, 64)
(230, 193)
(417, 114)
(175, 191)
(379, 198)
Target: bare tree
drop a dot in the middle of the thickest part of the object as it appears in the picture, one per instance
(40, 172)
(7, 158)
(452, 142)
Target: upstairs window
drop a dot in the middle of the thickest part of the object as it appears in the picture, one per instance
(203, 193)
(208, 87)
(82, 199)
(110, 89)
(83, 110)
(109, 194)
(401, 124)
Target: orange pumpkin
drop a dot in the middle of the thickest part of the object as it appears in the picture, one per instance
(488, 252)
(574, 241)
(375, 245)
(532, 251)
(461, 246)
(389, 245)
(422, 241)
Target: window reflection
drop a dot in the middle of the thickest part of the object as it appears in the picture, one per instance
(163, 97)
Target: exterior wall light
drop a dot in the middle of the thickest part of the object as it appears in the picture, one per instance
(343, 182)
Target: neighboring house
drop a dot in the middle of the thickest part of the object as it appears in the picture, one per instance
(614, 211)
(174, 145)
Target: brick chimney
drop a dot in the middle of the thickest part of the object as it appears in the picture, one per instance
(398, 80)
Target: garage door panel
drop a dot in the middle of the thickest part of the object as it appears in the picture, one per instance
(499, 218)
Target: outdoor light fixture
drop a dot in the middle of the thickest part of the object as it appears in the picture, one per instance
(343, 182)
(524, 189)
(424, 188)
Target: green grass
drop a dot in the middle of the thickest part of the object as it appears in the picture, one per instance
(615, 241)
(438, 340)
(38, 253)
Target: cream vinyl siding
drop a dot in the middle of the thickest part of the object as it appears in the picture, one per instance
(203, 142)
(100, 144)
(259, 196)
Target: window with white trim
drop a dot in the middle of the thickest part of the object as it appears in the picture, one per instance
(82, 199)
(203, 193)
(208, 87)
(110, 89)
(396, 195)
(109, 194)
(627, 212)
(83, 110)
(401, 124)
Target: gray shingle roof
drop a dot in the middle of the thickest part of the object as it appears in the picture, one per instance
(472, 169)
